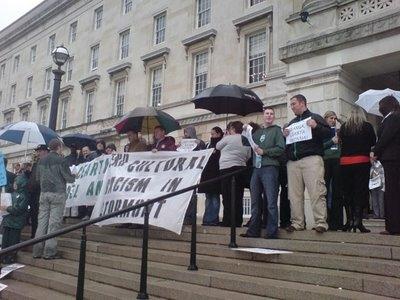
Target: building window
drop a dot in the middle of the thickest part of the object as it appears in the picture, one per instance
(25, 115)
(120, 97)
(64, 113)
(124, 44)
(43, 114)
(159, 28)
(1, 96)
(29, 87)
(98, 17)
(156, 86)
(72, 31)
(2, 71)
(8, 118)
(254, 2)
(47, 79)
(89, 106)
(127, 6)
(257, 46)
(69, 67)
(51, 44)
(32, 56)
(13, 93)
(200, 72)
(16, 63)
(203, 12)
(94, 57)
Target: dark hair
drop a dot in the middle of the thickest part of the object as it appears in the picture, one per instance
(5, 161)
(300, 98)
(388, 104)
(218, 130)
(100, 141)
(112, 147)
(255, 126)
(237, 126)
(55, 144)
(269, 108)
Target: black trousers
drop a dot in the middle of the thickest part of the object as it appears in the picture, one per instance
(34, 212)
(11, 237)
(355, 180)
(284, 203)
(392, 196)
(332, 181)
(226, 197)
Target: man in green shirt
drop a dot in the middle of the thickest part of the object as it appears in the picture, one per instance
(270, 144)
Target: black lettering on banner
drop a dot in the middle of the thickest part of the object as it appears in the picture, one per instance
(165, 185)
(131, 167)
(124, 160)
(159, 206)
(172, 185)
(142, 185)
(109, 185)
(126, 204)
(125, 181)
(169, 164)
(116, 184)
(192, 163)
(93, 171)
(179, 165)
(135, 212)
(131, 184)
(110, 206)
(158, 166)
(199, 165)
(147, 169)
(118, 205)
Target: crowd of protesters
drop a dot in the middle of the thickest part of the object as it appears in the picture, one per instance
(334, 166)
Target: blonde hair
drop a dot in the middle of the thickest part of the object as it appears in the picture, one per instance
(329, 114)
(355, 121)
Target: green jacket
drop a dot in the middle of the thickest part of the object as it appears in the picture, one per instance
(271, 141)
(19, 209)
(53, 172)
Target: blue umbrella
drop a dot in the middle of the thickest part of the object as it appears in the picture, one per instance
(79, 140)
(27, 133)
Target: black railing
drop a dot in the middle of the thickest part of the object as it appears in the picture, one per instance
(143, 274)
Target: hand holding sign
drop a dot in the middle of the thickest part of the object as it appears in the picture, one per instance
(300, 131)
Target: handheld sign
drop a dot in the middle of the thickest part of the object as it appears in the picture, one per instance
(187, 145)
(299, 132)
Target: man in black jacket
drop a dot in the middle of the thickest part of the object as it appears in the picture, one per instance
(305, 168)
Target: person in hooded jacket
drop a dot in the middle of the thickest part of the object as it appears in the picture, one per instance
(15, 220)
(211, 171)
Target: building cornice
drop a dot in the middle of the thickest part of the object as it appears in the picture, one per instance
(162, 52)
(119, 68)
(8, 110)
(252, 17)
(25, 104)
(66, 89)
(197, 38)
(88, 80)
(42, 98)
(340, 38)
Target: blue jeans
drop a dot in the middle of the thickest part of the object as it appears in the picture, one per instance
(264, 181)
(211, 213)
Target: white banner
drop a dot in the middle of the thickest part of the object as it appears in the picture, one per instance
(127, 179)
(298, 132)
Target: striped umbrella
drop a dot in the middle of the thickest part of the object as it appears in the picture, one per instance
(27, 133)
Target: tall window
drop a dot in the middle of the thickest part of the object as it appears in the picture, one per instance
(98, 17)
(2, 71)
(64, 113)
(156, 86)
(29, 86)
(25, 115)
(200, 72)
(8, 118)
(159, 28)
(89, 106)
(124, 44)
(51, 44)
(94, 57)
(16, 63)
(120, 97)
(203, 12)
(32, 55)
(127, 6)
(43, 114)
(254, 2)
(72, 31)
(257, 47)
(47, 79)
(13, 93)
(69, 68)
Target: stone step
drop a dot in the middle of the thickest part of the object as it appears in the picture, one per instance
(381, 285)
(49, 275)
(18, 290)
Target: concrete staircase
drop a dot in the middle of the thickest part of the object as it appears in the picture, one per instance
(334, 265)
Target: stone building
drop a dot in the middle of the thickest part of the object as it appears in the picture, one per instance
(128, 53)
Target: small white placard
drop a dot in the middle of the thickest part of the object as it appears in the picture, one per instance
(187, 145)
(2, 286)
(262, 250)
(298, 132)
(8, 269)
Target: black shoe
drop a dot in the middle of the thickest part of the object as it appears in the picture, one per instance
(291, 229)
(249, 235)
(271, 237)
(57, 256)
(320, 229)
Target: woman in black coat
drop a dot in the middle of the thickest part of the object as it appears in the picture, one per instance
(212, 191)
(387, 151)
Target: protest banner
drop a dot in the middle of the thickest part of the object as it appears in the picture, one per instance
(187, 145)
(127, 179)
(298, 132)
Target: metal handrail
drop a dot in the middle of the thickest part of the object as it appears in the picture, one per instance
(143, 280)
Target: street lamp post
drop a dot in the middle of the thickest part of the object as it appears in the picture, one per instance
(60, 56)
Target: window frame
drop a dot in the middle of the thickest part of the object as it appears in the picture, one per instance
(119, 107)
(89, 103)
(13, 93)
(200, 13)
(73, 32)
(248, 60)
(159, 87)
(127, 33)
(92, 60)
(43, 113)
(47, 79)
(64, 112)
(252, 3)
(32, 54)
(98, 21)
(68, 69)
(162, 30)
(51, 44)
(195, 75)
(125, 6)
(29, 84)
(16, 63)
(2, 70)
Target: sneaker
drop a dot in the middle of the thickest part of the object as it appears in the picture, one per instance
(291, 229)
(320, 229)
(57, 256)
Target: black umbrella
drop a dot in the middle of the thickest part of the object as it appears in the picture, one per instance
(229, 99)
(79, 140)
(144, 119)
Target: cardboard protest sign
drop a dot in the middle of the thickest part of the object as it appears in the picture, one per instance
(298, 132)
(187, 145)
(127, 179)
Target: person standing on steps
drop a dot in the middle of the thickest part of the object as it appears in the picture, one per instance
(54, 174)
(305, 168)
(356, 137)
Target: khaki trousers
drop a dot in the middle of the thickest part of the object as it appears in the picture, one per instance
(307, 172)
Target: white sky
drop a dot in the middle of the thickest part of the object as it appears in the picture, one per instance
(11, 10)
